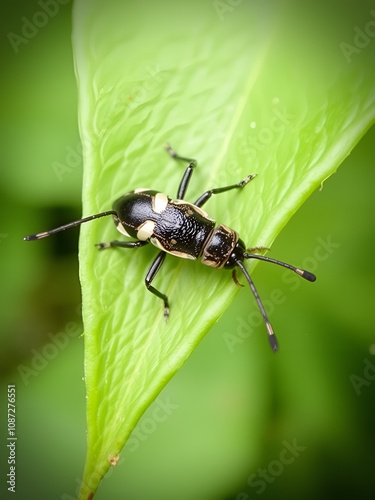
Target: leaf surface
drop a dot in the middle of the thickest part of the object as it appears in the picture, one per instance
(253, 88)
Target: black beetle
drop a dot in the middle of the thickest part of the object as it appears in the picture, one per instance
(182, 229)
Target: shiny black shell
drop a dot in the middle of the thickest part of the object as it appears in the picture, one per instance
(175, 226)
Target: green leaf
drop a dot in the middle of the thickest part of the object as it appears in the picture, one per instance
(281, 89)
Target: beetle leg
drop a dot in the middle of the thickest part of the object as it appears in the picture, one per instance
(235, 278)
(271, 335)
(155, 266)
(207, 195)
(256, 249)
(188, 172)
(124, 244)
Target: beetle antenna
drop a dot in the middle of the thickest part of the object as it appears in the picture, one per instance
(68, 226)
(304, 274)
(271, 335)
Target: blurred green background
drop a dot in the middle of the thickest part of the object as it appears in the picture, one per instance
(223, 428)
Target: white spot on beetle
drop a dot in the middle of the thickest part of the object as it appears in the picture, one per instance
(141, 190)
(159, 203)
(177, 253)
(182, 255)
(157, 243)
(146, 230)
(122, 230)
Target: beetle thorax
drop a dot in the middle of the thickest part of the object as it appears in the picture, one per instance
(219, 246)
